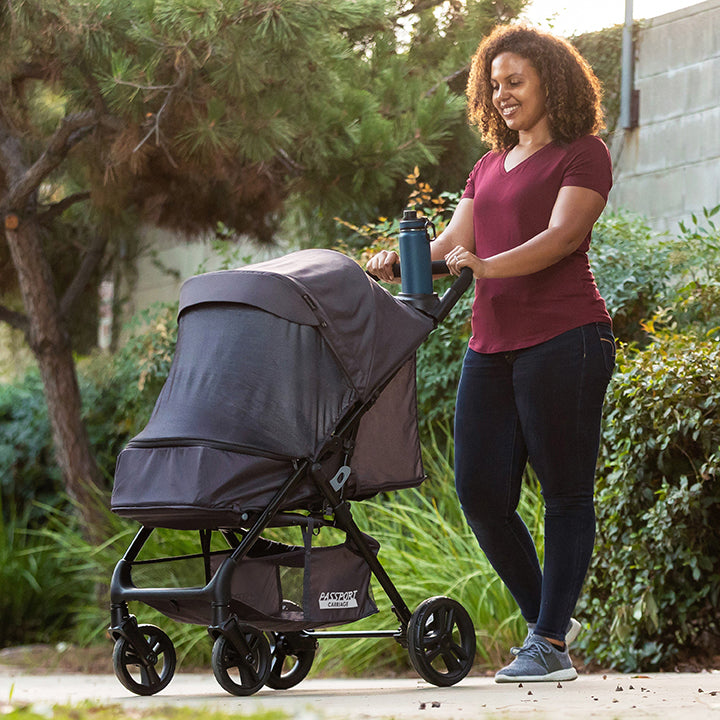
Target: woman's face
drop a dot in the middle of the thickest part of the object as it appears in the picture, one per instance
(518, 93)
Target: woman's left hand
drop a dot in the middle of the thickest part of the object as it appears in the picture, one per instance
(460, 257)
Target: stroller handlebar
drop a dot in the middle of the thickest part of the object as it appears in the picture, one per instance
(452, 294)
(450, 297)
(438, 267)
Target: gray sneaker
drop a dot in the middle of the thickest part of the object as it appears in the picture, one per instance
(537, 661)
(573, 630)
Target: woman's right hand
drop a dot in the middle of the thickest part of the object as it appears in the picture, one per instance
(381, 265)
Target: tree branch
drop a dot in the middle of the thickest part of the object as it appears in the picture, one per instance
(447, 79)
(11, 155)
(29, 71)
(419, 6)
(138, 86)
(14, 319)
(171, 91)
(91, 259)
(59, 208)
(289, 163)
(71, 130)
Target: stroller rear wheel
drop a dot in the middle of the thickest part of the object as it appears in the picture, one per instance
(238, 673)
(441, 641)
(141, 672)
(290, 664)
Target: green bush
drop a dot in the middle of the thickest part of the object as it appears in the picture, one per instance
(439, 362)
(696, 261)
(639, 271)
(632, 268)
(40, 592)
(28, 473)
(653, 591)
(118, 395)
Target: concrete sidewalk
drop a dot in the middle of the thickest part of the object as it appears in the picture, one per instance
(671, 696)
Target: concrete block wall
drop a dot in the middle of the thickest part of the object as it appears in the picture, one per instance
(669, 166)
(168, 260)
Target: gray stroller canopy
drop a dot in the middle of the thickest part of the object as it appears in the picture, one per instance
(270, 359)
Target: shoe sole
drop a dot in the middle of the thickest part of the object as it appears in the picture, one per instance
(565, 674)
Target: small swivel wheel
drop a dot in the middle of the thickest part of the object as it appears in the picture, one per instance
(291, 660)
(239, 672)
(441, 641)
(145, 671)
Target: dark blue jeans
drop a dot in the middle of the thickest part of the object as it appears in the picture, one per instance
(542, 404)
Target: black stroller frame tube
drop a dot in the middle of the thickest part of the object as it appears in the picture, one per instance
(452, 295)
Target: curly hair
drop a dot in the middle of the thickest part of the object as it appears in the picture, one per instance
(573, 90)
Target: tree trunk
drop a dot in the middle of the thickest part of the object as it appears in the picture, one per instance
(49, 341)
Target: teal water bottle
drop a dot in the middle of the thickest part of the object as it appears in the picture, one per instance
(415, 265)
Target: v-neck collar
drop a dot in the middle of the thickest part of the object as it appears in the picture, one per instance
(523, 161)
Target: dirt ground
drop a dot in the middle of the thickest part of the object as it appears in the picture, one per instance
(97, 660)
(51, 659)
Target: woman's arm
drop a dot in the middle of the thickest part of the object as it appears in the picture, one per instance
(574, 214)
(458, 233)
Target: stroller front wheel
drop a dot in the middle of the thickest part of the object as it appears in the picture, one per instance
(238, 673)
(290, 663)
(441, 641)
(148, 670)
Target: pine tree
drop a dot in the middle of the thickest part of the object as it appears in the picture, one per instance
(186, 113)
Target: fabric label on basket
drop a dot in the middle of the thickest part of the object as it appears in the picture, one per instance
(333, 600)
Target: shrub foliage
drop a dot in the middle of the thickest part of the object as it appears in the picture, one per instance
(28, 474)
(632, 268)
(653, 591)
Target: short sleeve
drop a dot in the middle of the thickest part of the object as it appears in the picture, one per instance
(472, 178)
(589, 166)
(470, 185)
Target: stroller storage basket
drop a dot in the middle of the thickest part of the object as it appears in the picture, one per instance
(284, 587)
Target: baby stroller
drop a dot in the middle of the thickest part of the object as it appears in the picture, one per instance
(291, 393)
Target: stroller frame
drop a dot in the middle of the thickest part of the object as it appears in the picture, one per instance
(438, 635)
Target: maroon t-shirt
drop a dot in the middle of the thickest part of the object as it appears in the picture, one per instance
(509, 208)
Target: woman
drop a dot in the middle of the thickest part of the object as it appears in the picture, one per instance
(542, 350)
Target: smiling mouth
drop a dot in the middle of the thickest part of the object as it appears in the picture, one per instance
(509, 110)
